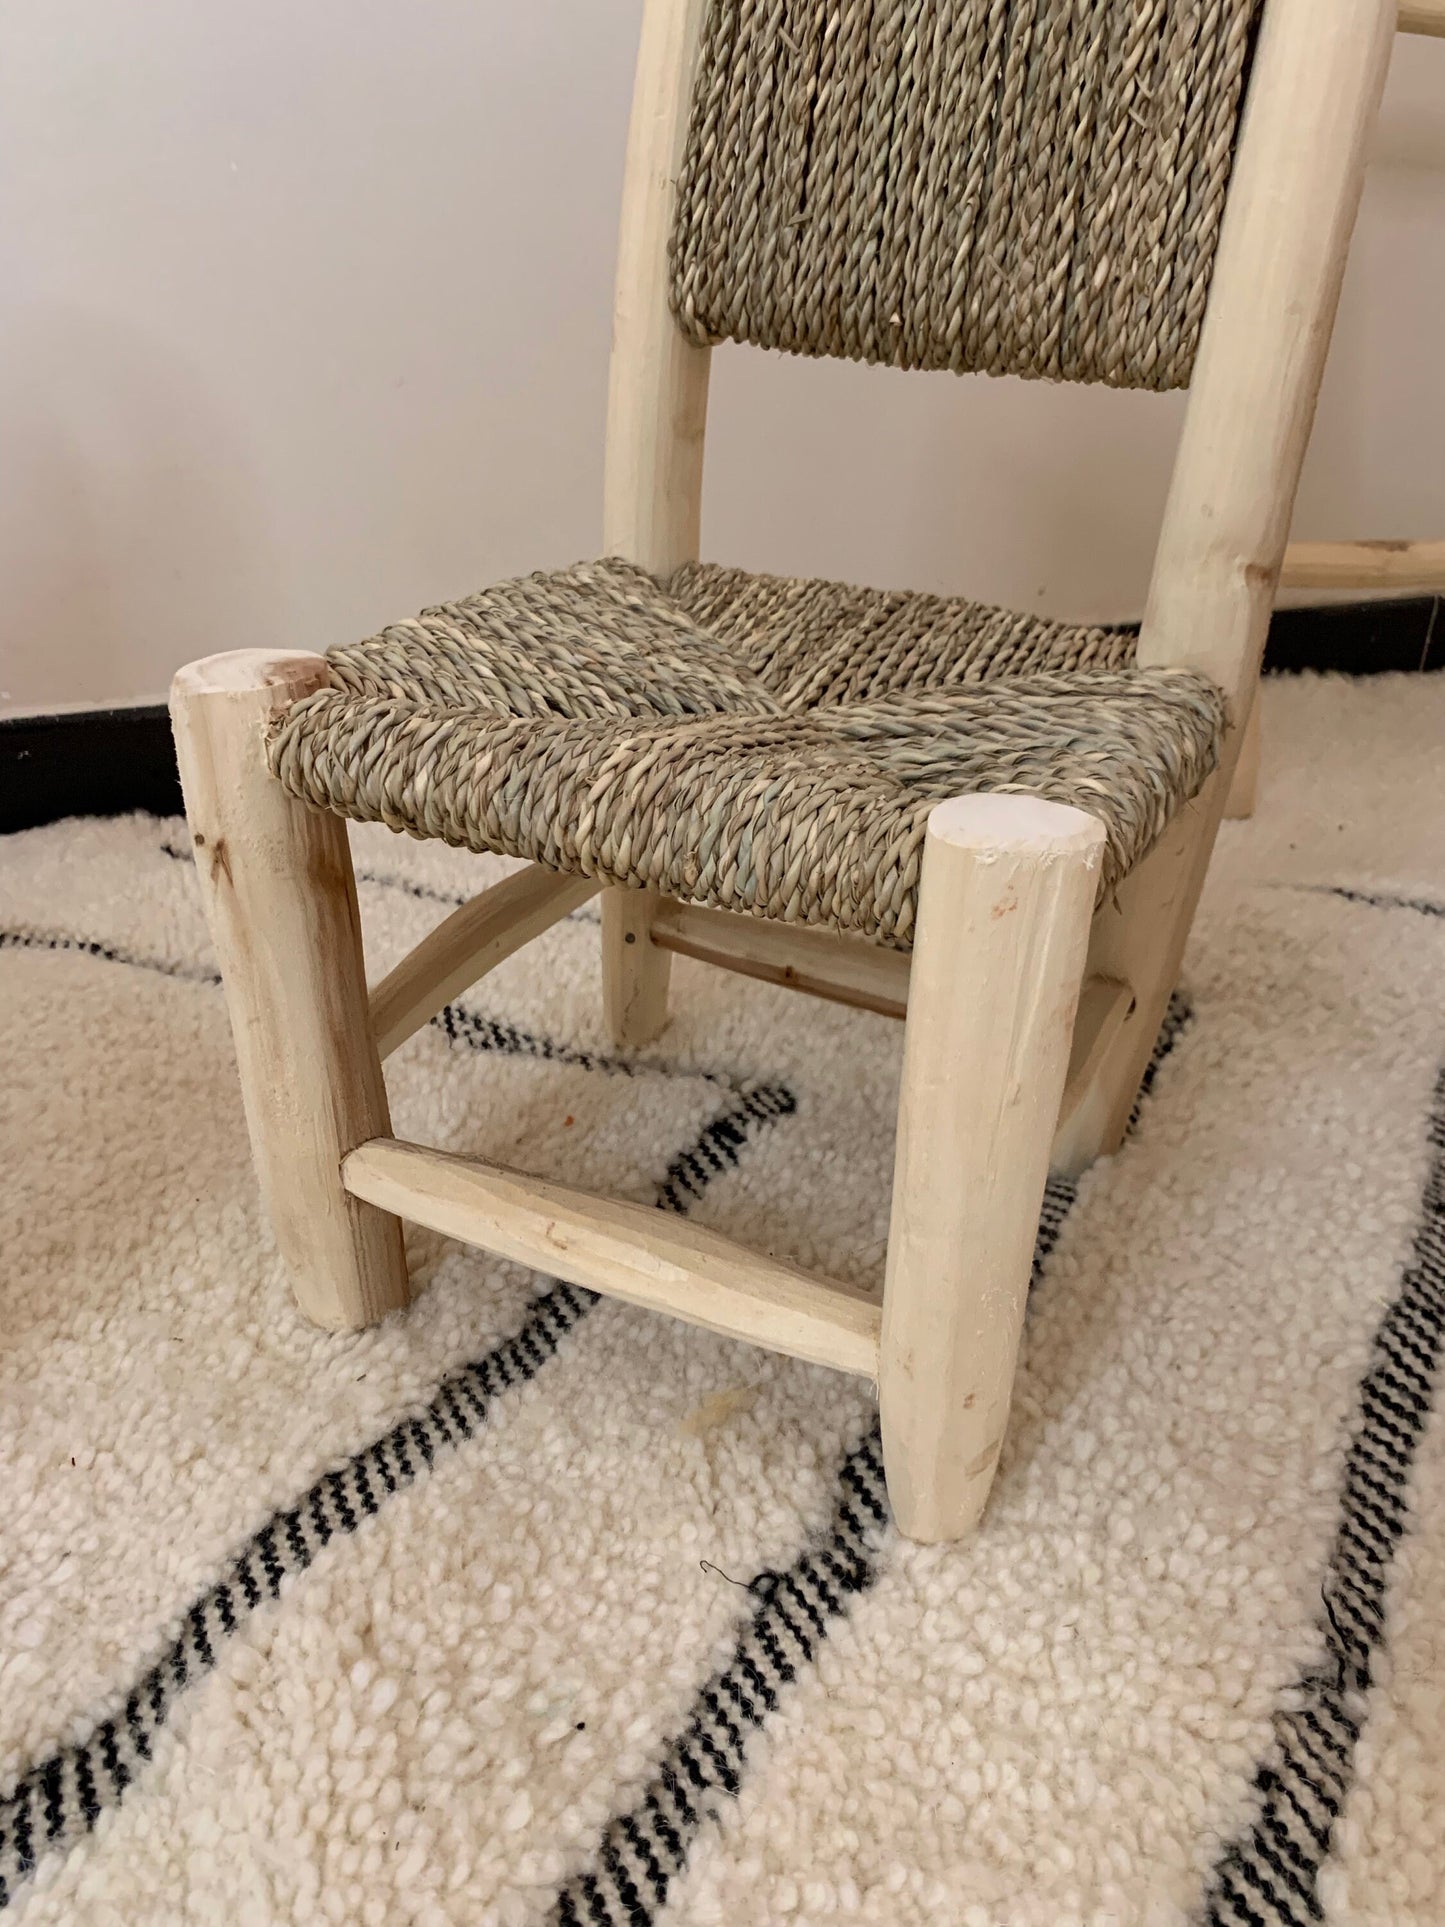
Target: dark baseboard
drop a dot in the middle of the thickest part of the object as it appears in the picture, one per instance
(92, 762)
(1358, 638)
(104, 762)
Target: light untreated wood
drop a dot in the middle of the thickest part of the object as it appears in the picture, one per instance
(657, 387)
(1392, 566)
(276, 880)
(1381, 565)
(646, 1257)
(845, 970)
(1137, 938)
(1003, 927)
(1104, 1006)
(1314, 90)
(635, 973)
(656, 418)
(469, 943)
(1422, 16)
(1244, 784)
(1315, 85)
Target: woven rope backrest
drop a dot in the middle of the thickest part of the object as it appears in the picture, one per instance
(1029, 187)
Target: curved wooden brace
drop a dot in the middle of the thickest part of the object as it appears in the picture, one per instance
(469, 943)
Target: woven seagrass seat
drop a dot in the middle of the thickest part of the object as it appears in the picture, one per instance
(743, 741)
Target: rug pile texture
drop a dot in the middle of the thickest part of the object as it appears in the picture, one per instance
(525, 1607)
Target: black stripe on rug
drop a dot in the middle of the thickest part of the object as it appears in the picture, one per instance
(1060, 1193)
(25, 938)
(644, 1849)
(1422, 906)
(471, 1029)
(1375, 899)
(59, 1800)
(476, 1031)
(1269, 1875)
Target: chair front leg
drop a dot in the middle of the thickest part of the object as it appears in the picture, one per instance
(1005, 905)
(280, 900)
(635, 972)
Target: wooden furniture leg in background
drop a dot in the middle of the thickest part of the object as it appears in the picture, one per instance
(280, 900)
(1370, 568)
(1378, 568)
(1422, 16)
(1003, 930)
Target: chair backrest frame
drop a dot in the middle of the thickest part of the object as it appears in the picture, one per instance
(657, 389)
(1314, 90)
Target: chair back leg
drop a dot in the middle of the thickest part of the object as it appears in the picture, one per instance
(1004, 910)
(1244, 789)
(1138, 938)
(280, 899)
(635, 971)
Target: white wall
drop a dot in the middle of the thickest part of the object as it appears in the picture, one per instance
(303, 323)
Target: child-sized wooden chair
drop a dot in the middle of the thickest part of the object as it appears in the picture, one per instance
(994, 824)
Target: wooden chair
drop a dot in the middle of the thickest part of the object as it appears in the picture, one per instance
(1033, 185)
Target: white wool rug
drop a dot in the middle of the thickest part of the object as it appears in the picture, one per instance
(526, 1607)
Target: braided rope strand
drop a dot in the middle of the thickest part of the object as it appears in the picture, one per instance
(1028, 187)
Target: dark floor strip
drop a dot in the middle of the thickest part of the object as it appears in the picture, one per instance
(1270, 1873)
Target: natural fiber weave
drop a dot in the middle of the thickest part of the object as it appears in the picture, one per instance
(750, 742)
(1029, 187)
